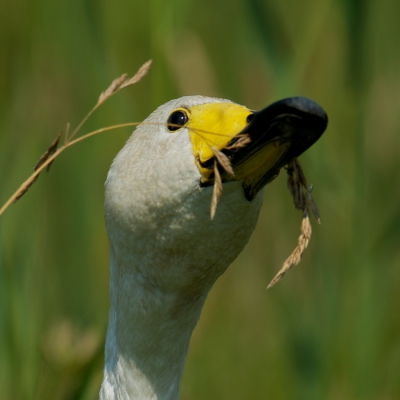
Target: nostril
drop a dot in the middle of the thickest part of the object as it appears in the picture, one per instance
(249, 118)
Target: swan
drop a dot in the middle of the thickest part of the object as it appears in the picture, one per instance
(166, 251)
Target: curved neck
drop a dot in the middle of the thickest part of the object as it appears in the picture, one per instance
(147, 338)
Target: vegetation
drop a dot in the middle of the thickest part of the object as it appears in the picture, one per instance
(331, 328)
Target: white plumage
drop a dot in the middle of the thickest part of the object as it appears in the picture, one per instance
(165, 253)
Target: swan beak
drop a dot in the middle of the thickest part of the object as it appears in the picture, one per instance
(278, 133)
(257, 144)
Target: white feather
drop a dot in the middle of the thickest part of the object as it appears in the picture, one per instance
(165, 255)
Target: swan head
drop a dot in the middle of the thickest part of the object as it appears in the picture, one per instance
(159, 187)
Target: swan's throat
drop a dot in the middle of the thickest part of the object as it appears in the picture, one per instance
(147, 338)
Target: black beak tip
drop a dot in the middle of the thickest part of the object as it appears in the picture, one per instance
(304, 115)
(306, 105)
(308, 111)
(295, 120)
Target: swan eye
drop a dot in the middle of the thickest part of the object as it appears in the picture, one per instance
(177, 120)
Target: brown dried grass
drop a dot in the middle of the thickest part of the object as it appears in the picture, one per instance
(301, 193)
(53, 151)
(217, 189)
(298, 188)
(226, 164)
(297, 183)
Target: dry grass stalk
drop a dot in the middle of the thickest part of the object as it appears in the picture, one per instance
(243, 141)
(115, 85)
(303, 200)
(217, 189)
(49, 152)
(25, 187)
(53, 151)
(44, 157)
(312, 204)
(143, 70)
(297, 253)
(226, 164)
(121, 82)
(223, 160)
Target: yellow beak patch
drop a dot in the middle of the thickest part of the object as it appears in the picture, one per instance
(214, 125)
(231, 142)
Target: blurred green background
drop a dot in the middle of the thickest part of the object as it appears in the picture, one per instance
(331, 328)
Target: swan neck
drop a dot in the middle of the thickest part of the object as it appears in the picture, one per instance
(147, 338)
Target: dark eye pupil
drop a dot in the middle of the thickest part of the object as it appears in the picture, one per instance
(176, 120)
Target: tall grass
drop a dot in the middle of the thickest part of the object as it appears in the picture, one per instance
(331, 328)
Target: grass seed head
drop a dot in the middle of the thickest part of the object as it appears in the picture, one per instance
(302, 199)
